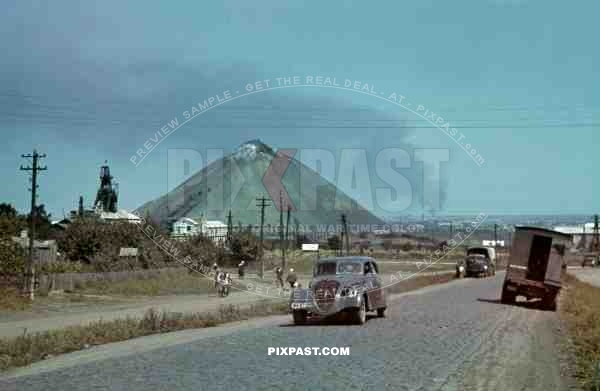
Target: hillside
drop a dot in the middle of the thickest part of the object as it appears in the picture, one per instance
(243, 170)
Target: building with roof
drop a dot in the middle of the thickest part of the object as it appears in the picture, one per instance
(44, 251)
(187, 227)
(579, 232)
(215, 230)
(120, 215)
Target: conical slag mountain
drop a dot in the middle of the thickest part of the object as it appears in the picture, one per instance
(236, 181)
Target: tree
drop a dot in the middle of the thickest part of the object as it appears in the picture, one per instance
(7, 210)
(11, 223)
(334, 242)
(42, 222)
(244, 246)
(12, 259)
(201, 250)
(12, 256)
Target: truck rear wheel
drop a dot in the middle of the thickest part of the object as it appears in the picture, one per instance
(507, 296)
(549, 302)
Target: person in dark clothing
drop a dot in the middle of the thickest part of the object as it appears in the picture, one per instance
(291, 278)
(242, 269)
(279, 276)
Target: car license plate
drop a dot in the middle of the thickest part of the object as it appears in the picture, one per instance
(296, 306)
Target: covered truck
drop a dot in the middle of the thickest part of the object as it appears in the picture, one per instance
(534, 268)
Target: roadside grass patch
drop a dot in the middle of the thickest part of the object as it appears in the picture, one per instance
(180, 282)
(30, 348)
(12, 300)
(580, 308)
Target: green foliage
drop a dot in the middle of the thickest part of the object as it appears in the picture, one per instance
(12, 258)
(42, 222)
(61, 267)
(7, 210)
(201, 250)
(244, 246)
(98, 243)
(334, 242)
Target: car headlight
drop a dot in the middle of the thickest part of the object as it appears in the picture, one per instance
(485, 267)
(461, 268)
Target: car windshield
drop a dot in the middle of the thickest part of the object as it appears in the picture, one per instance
(477, 251)
(342, 267)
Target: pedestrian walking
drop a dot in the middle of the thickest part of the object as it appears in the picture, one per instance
(279, 275)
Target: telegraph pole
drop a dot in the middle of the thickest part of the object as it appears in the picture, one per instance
(281, 229)
(287, 226)
(261, 203)
(29, 279)
(495, 235)
(345, 233)
(229, 228)
(596, 238)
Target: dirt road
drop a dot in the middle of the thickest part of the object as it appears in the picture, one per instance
(454, 336)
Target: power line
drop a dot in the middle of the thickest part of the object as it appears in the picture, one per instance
(29, 280)
(262, 203)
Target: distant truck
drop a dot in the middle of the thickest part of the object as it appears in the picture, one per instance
(478, 261)
(534, 269)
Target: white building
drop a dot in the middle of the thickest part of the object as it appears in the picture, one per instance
(579, 231)
(120, 215)
(187, 227)
(215, 230)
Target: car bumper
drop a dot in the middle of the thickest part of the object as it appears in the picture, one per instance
(340, 304)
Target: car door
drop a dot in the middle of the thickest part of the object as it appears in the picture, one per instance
(375, 293)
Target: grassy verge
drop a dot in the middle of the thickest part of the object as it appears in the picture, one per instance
(30, 348)
(176, 282)
(12, 300)
(580, 308)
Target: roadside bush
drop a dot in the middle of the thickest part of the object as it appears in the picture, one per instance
(407, 246)
(244, 246)
(61, 267)
(12, 259)
(98, 244)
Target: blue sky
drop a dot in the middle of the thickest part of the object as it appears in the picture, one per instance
(519, 79)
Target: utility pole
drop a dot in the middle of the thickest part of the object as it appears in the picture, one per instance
(29, 280)
(81, 210)
(261, 203)
(345, 235)
(596, 237)
(287, 227)
(281, 230)
(229, 228)
(495, 235)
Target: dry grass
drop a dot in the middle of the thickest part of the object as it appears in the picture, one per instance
(580, 308)
(12, 300)
(30, 348)
(176, 282)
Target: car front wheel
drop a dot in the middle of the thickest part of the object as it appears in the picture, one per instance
(361, 313)
(299, 317)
